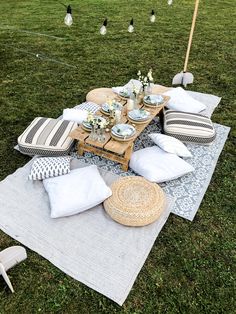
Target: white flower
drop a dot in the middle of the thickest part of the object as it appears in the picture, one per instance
(139, 73)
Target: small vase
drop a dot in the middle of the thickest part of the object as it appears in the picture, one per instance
(147, 90)
(93, 135)
(101, 135)
(135, 100)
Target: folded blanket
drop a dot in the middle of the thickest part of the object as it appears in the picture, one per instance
(180, 100)
(76, 115)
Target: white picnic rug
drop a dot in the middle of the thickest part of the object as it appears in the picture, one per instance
(89, 247)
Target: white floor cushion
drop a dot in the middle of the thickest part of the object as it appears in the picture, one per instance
(180, 100)
(76, 192)
(156, 165)
(170, 144)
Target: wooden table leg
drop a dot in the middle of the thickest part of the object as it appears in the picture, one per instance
(127, 156)
(80, 148)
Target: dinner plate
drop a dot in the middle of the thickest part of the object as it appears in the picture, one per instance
(124, 93)
(106, 107)
(153, 99)
(139, 115)
(123, 130)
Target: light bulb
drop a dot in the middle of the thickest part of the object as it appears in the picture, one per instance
(103, 29)
(152, 17)
(170, 2)
(131, 26)
(68, 18)
(130, 29)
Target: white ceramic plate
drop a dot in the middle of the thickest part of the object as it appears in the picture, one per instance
(123, 130)
(106, 107)
(153, 99)
(125, 93)
(139, 114)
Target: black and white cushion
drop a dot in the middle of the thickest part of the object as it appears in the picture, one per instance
(47, 137)
(48, 167)
(89, 106)
(189, 127)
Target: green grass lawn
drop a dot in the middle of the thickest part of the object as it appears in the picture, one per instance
(191, 268)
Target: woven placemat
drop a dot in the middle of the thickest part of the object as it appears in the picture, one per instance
(135, 201)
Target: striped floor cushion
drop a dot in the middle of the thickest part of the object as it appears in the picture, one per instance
(47, 137)
(189, 127)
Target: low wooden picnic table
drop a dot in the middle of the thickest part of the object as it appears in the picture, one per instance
(110, 148)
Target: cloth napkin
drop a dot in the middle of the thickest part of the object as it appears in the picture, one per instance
(76, 115)
(180, 100)
(128, 87)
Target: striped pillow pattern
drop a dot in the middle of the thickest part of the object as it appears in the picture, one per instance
(189, 127)
(89, 106)
(47, 137)
(48, 167)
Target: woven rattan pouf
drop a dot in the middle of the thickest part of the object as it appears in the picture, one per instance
(135, 201)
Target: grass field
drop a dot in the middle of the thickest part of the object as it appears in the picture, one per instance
(191, 268)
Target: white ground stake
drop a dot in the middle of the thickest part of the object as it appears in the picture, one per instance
(9, 258)
(184, 77)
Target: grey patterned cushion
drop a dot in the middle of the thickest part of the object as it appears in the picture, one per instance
(48, 167)
(189, 127)
(47, 137)
(89, 106)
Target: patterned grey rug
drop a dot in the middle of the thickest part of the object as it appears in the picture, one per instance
(188, 190)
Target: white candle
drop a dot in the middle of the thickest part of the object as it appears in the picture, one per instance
(118, 116)
(130, 104)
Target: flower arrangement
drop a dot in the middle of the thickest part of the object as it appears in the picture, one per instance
(97, 121)
(145, 80)
(113, 105)
(135, 90)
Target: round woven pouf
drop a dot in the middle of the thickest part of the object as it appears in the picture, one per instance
(99, 95)
(135, 201)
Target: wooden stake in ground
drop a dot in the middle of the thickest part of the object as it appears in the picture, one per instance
(184, 77)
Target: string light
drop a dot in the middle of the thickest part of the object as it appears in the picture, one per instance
(103, 29)
(170, 2)
(131, 26)
(68, 18)
(152, 17)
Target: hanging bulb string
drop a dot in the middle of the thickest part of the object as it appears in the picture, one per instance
(32, 33)
(41, 56)
(62, 4)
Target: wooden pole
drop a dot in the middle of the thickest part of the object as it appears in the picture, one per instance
(191, 35)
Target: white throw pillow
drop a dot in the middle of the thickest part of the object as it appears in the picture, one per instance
(47, 167)
(75, 115)
(81, 189)
(170, 144)
(180, 100)
(156, 165)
